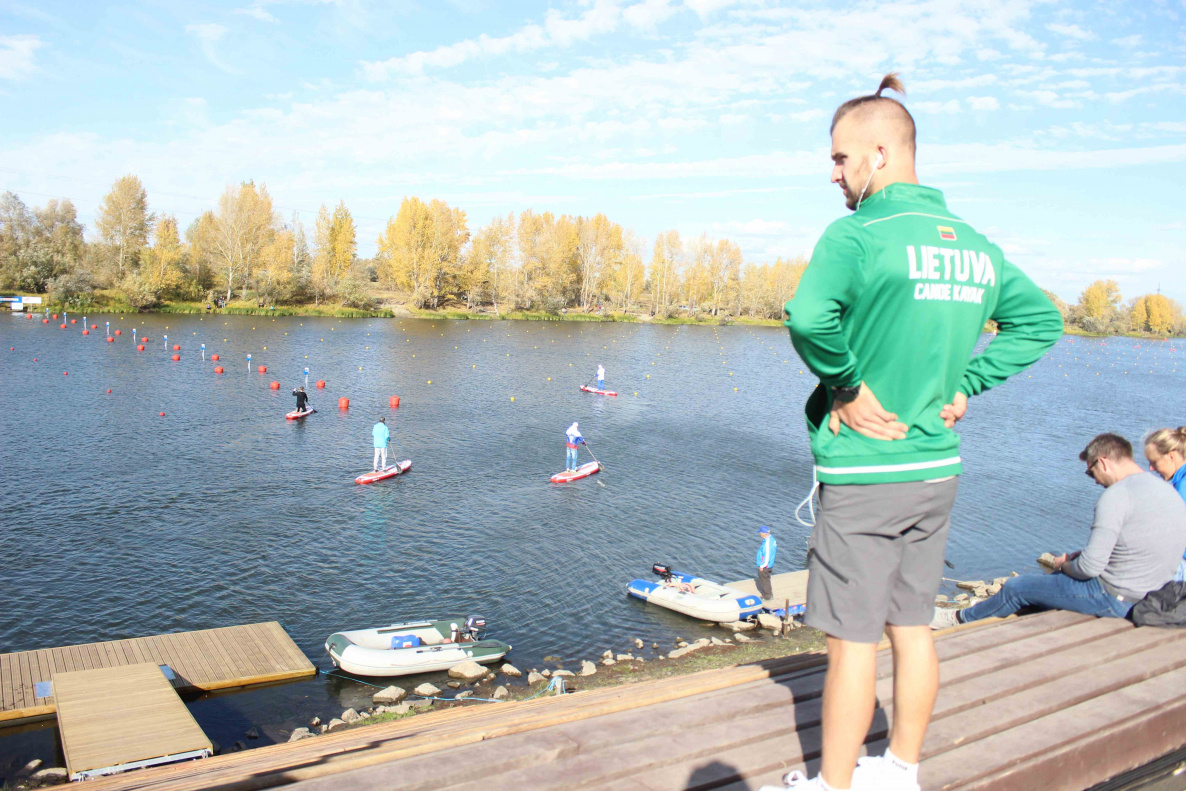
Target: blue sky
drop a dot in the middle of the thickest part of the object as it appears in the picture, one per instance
(1057, 128)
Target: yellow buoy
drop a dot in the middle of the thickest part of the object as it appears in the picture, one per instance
(430, 381)
(512, 398)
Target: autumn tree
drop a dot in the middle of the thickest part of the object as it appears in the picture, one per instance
(1100, 300)
(1155, 313)
(628, 274)
(598, 248)
(161, 264)
(123, 221)
(231, 238)
(666, 263)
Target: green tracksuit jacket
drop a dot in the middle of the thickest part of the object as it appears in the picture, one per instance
(896, 296)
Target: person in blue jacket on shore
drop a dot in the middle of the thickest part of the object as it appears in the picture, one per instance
(767, 551)
(382, 436)
(573, 440)
(1165, 450)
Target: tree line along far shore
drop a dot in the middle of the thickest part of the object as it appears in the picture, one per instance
(427, 258)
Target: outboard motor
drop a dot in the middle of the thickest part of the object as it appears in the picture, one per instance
(663, 570)
(476, 626)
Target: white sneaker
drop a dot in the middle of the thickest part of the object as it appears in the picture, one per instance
(944, 618)
(796, 781)
(874, 773)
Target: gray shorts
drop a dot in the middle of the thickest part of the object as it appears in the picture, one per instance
(878, 557)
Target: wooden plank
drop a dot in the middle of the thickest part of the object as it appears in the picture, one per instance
(6, 699)
(120, 715)
(44, 673)
(293, 655)
(267, 648)
(994, 762)
(98, 657)
(179, 646)
(25, 691)
(114, 655)
(219, 669)
(255, 663)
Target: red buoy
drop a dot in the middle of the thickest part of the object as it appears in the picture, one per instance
(218, 369)
(144, 339)
(140, 347)
(28, 317)
(86, 332)
(343, 403)
(263, 369)
(321, 383)
(177, 347)
(45, 321)
(110, 340)
(119, 332)
(12, 348)
(274, 385)
(55, 315)
(162, 414)
(214, 357)
(73, 321)
(63, 326)
(65, 373)
(94, 326)
(176, 357)
(109, 390)
(394, 401)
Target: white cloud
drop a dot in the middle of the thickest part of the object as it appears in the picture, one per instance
(16, 55)
(931, 86)
(983, 103)
(706, 7)
(1128, 41)
(208, 35)
(648, 14)
(1050, 99)
(257, 11)
(949, 107)
(1072, 31)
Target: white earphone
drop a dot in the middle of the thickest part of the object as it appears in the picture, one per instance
(868, 181)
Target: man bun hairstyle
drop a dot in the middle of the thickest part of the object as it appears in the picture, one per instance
(1168, 440)
(1107, 446)
(875, 103)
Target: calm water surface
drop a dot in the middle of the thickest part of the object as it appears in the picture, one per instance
(118, 522)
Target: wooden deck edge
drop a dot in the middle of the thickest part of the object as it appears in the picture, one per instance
(1108, 752)
(251, 681)
(29, 714)
(432, 732)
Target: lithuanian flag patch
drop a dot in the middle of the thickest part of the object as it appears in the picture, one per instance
(946, 233)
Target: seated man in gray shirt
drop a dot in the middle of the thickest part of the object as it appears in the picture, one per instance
(1138, 535)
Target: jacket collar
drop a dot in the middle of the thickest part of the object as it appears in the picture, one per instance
(904, 192)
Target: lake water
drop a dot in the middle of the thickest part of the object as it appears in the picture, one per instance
(118, 522)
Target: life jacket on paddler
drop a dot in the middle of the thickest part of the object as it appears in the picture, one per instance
(573, 436)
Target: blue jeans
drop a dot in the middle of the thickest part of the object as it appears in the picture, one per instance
(600, 384)
(1048, 592)
(572, 458)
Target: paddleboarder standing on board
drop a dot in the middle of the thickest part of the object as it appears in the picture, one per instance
(302, 399)
(888, 315)
(573, 440)
(382, 436)
(600, 376)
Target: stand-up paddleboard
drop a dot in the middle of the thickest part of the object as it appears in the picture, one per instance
(294, 415)
(594, 390)
(390, 471)
(584, 471)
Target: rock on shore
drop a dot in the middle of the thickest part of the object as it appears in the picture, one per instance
(588, 668)
(427, 690)
(510, 670)
(467, 671)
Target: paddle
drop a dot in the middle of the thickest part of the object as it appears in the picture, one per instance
(599, 466)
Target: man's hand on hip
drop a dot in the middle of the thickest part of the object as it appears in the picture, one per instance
(954, 412)
(865, 415)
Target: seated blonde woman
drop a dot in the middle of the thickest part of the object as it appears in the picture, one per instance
(1165, 449)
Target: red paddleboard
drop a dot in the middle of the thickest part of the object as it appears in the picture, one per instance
(294, 415)
(584, 471)
(389, 471)
(587, 389)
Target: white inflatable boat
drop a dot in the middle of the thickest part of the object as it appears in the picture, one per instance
(696, 597)
(416, 647)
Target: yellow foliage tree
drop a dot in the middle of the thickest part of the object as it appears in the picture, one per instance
(342, 244)
(1100, 300)
(666, 263)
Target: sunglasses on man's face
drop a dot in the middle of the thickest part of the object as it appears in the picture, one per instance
(1091, 467)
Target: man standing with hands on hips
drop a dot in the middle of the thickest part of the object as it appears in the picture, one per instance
(765, 560)
(887, 315)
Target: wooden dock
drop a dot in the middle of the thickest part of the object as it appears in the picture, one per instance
(208, 659)
(116, 718)
(1056, 701)
(790, 586)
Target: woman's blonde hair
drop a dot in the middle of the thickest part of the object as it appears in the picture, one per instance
(1167, 440)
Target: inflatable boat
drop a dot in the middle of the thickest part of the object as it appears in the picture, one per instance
(415, 647)
(696, 597)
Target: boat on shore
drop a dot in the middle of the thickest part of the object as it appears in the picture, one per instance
(695, 596)
(403, 649)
